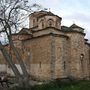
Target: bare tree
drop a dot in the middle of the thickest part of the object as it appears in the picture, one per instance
(12, 14)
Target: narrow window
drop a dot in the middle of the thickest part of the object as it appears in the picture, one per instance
(42, 24)
(64, 65)
(82, 61)
(82, 56)
(33, 22)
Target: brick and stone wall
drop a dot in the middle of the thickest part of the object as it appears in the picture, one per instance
(77, 49)
(39, 51)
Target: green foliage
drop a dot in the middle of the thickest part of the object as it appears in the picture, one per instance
(57, 85)
(80, 85)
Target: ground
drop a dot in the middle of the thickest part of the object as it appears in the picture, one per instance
(79, 85)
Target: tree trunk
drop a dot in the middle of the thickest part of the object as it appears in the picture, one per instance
(22, 80)
(19, 59)
(9, 61)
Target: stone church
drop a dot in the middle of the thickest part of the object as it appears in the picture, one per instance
(50, 50)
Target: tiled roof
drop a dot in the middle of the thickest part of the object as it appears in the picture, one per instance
(65, 28)
(43, 13)
(25, 31)
(75, 26)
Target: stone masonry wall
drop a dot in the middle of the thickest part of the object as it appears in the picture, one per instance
(87, 61)
(77, 49)
(39, 53)
(62, 57)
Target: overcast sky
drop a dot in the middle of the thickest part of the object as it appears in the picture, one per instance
(71, 11)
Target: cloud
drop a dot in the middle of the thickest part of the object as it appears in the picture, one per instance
(55, 2)
(81, 19)
(71, 11)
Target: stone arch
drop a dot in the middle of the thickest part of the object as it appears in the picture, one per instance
(50, 23)
(82, 62)
(58, 23)
(41, 23)
(34, 22)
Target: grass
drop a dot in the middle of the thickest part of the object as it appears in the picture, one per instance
(80, 85)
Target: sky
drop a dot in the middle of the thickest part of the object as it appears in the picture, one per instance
(71, 11)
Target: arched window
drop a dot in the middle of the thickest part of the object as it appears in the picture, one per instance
(64, 65)
(82, 61)
(57, 23)
(33, 22)
(42, 23)
(50, 22)
(81, 56)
